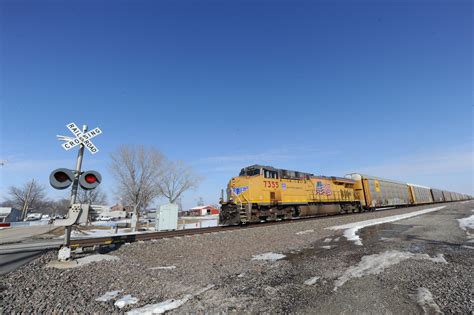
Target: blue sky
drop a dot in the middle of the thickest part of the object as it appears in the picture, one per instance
(328, 87)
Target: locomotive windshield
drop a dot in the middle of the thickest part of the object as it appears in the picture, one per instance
(271, 172)
(249, 171)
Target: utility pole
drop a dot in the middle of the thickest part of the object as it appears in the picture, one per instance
(25, 204)
(75, 184)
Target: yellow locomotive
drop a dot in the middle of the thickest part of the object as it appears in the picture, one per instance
(266, 193)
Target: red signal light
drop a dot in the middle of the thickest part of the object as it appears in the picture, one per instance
(61, 177)
(90, 178)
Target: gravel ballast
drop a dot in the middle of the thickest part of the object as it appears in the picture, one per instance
(180, 268)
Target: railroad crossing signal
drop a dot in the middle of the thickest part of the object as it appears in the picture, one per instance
(62, 178)
(81, 138)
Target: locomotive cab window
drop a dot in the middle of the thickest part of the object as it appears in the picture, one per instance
(270, 174)
(249, 172)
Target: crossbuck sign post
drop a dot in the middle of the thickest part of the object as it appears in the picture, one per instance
(83, 140)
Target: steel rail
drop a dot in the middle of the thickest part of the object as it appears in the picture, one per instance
(146, 236)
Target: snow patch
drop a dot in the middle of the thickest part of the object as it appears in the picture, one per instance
(80, 262)
(160, 308)
(327, 240)
(64, 253)
(425, 299)
(326, 246)
(304, 232)
(268, 256)
(125, 300)
(163, 268)
(352, 228)
(96, 258)
(375, 264)
(108, 296)
(467, 223)
(336, 239)
(167, 305)
(311, 281)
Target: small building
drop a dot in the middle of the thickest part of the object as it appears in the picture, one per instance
(9, 214)
(203, 210)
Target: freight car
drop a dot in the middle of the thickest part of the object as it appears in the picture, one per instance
(437, 195)
(265, 193)
(375, 192)
(420, 194)
(447, 196)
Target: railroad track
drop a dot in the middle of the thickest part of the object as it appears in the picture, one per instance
(129, 238)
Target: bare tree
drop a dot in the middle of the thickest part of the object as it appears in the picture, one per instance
(137, 170)
(177, 179)
(179, 202)
(31, 196)
(93, 196)
(61, 206)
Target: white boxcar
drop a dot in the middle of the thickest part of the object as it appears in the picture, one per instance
(420, 194)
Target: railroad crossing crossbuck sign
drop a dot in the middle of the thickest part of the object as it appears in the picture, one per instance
(81, 138)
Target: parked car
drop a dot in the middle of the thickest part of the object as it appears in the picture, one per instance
(33, 217)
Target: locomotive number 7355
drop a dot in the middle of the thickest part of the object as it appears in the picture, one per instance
(271, 184)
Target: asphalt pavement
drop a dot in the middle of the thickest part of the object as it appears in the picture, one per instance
(18, 234)
(15, 255)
